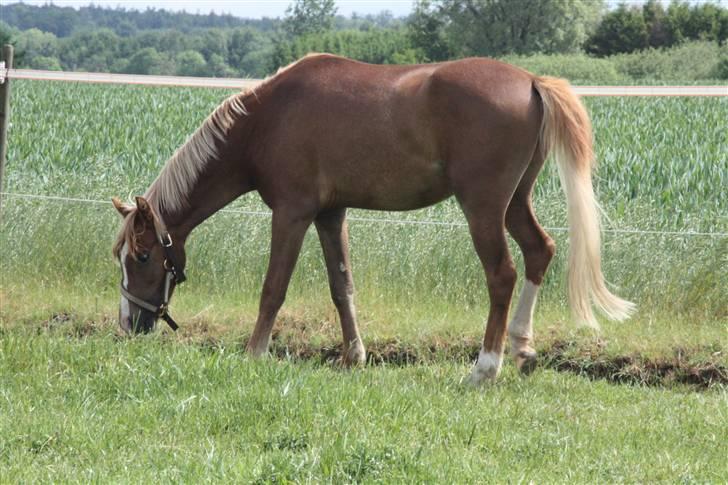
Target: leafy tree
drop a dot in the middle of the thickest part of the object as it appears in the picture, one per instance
(426, 31)
(148, 61)
(216, 67)
(497, 27)
(704, 23)
(628, 29)
(65, 21)
(656, 22)
(377, 46)
(247, 51)
(6, 33)
(90, 50)
(44, 62)
(213, 42)
(35, 43)
(622, 30)
(309, 17)
(191, 63)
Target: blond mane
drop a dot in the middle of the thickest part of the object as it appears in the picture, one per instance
(170, 191)
(171, 188)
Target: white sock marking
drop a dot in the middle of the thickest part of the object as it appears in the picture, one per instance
(486, 368)
(521, 325)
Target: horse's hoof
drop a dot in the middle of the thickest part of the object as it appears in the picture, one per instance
(356, 356)
(526, 362)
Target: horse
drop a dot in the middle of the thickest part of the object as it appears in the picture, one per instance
(328, 133)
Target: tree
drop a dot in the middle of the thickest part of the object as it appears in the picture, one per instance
(622, 30)
(101, 45)
(498, 27)
(191, 63)
(6, 33)
(655, 20)
(213, 42)
(44, 62)
(148, 61)
(35, 43)
(216, 67)
(247, 49)
(377, 46)
(309, 17)
(426, 31)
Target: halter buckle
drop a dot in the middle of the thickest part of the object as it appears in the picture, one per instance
(165, 240)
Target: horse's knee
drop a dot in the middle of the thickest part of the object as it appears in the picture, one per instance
(342, 299)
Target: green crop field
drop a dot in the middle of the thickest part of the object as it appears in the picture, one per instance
(79, 403)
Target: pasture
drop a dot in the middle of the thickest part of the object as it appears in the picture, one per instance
(78, 403)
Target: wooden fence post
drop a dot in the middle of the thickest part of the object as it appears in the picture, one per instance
(4, 112)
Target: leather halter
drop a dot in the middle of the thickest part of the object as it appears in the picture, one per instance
(172, 273)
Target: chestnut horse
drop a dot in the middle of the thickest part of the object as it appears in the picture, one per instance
(327, 133)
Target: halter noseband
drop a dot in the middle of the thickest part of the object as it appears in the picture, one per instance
(172, 273)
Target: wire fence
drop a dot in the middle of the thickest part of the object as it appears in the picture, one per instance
(376, 220)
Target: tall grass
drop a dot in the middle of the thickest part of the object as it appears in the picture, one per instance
(663, 166)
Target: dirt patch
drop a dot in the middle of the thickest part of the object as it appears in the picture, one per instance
(634, 369)
(563, 356)
(316, 341)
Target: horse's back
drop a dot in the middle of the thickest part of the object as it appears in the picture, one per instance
(382, 136)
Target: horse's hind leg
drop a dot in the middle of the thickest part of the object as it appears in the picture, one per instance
(489, 238)
(538, 249)
(333, 233)
(485, 212)
(288, 231)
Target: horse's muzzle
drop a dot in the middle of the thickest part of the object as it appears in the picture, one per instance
(141, 322)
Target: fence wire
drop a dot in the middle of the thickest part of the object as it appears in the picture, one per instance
(377, 220)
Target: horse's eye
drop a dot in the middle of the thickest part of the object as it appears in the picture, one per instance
(143, 257)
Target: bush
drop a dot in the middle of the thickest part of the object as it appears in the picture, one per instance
(721, 69)
(575, 67)
(688, 61)
(45, 63)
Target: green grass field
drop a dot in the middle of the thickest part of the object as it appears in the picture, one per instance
(107, 410)
(78, 403)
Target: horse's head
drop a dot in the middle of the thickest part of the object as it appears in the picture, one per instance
(151, 266)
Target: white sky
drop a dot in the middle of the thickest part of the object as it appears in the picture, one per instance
(239, 8)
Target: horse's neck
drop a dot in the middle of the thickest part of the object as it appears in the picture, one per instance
(210, 194)
(223, 179)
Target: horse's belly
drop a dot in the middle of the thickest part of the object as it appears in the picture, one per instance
(395, 186)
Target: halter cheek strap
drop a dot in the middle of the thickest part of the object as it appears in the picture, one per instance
(172, 273)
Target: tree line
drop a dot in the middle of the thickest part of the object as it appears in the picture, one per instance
(162, 42)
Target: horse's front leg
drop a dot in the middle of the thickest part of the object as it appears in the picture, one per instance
(334, 237)
(288, 231)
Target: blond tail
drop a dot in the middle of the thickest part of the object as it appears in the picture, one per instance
(567, 133)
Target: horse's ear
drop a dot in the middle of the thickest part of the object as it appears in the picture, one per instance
(145, 209)
(124, 209)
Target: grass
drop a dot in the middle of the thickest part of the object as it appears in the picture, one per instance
(96, 408)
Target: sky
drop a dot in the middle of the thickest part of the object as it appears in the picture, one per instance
(239, 8)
